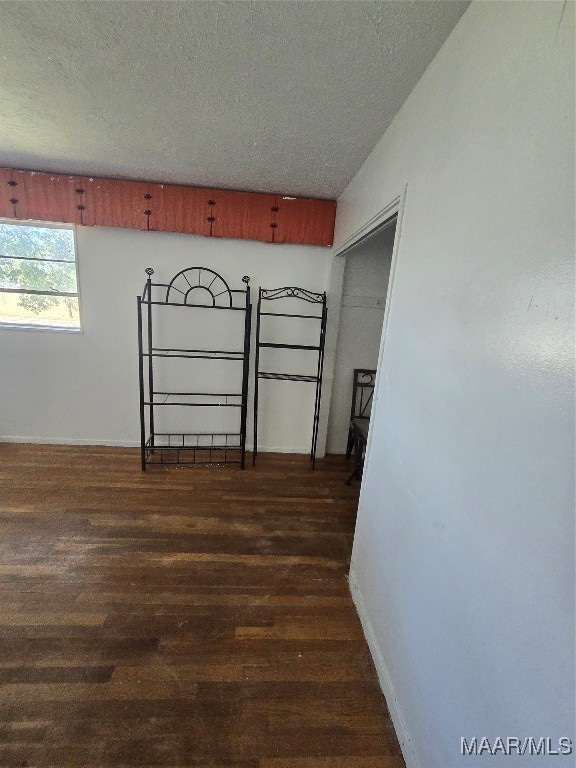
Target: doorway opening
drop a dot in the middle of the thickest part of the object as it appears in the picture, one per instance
(364, 294)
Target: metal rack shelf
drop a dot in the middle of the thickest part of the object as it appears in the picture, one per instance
(270, 345)
(196, 399)
(195, 354)
(191, 447)
(285, 376)
(301, 294)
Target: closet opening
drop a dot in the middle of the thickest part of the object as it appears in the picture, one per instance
(363, 303)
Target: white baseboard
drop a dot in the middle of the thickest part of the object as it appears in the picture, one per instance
(129, 443)
(69, 441)
(384, 679)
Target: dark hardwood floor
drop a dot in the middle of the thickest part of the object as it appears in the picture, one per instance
(181, 617)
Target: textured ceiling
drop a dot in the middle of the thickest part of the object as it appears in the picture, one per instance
(282, 96)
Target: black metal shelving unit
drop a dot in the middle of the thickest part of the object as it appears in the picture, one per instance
(300, 295)
(200, 289)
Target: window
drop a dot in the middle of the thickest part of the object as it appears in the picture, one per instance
(38, 279)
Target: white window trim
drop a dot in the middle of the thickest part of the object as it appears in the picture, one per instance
(7, 326)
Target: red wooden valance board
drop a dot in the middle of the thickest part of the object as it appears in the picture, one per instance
(90, 201)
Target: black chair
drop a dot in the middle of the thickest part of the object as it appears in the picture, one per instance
(362, 395)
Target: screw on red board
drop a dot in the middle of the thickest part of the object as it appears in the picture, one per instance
(211, 218)
(13, 200)
(148, 211)
(274, 225)
(80, 207)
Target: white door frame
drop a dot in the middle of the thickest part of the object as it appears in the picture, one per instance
(335, 281)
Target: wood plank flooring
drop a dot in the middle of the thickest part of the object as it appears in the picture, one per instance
(194, 617)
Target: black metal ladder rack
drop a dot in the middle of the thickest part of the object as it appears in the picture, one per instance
(304, 295)
(199, 288)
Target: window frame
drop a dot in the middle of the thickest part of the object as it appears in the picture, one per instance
(8, 326)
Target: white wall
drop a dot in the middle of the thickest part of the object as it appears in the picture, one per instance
(361, 317)
(463, 562)
(66, 387)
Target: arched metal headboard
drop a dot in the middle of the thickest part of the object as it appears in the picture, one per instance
(199, 280)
